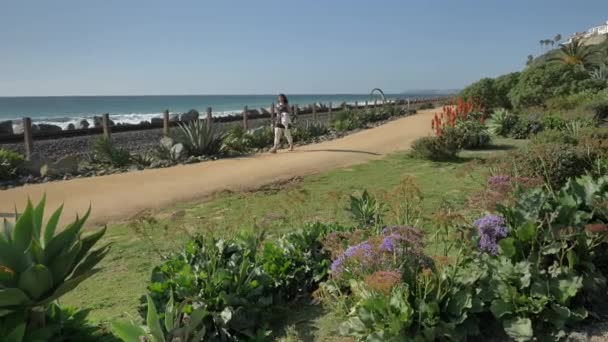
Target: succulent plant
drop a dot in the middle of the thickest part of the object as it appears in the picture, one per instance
(39, 264)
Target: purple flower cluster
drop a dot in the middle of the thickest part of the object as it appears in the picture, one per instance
(363, 250)
(490, 228)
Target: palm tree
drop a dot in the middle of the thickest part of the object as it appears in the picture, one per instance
(552, 43)
(575, 54)
(558, 38)
(530, 60)
(542, 43)
(547, 42)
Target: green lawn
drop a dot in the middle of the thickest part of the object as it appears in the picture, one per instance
(139, 244)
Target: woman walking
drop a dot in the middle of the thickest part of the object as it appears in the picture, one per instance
(283, 123)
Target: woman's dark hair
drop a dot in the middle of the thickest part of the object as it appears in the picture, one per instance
(285, 100)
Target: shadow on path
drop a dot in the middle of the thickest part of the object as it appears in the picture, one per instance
(344, 151)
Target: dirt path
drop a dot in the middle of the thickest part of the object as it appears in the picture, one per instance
(120, 196)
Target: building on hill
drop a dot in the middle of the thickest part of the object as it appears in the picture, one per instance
(592, 32)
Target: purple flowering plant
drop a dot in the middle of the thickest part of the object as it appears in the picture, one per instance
(490, 229)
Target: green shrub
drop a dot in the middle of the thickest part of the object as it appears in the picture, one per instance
(105, 152)
(524, 128)
(483, 92)
(539, 83)
(599, 106)
(472, 134)
(260, 138)
(366, 210)
(503, 85)
(235, 140)
(198, 139)
(39, 265)
(433, 148)
(427, 105)
(345, 121)
(309, 131)
(554, 136)
(553, 122)
(9, 161)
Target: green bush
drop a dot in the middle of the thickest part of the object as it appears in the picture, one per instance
(472, 134)
(260, 138)
(553, 122)
(482, 92)
(9, 161)
(105, 152)
(39, 265)
(524, 128)
(554, 136)
(235, 140)
(345, 121)
(434, 148)
(539, 83)
(427, 105)
(309, 131)
(503, 85)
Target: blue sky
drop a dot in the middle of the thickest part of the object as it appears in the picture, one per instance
(78, 47)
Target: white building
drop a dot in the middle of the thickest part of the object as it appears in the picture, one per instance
(594, 31)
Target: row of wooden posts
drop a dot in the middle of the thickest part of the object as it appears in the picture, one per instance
(106, 127)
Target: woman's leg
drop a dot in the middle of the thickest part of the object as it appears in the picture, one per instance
(278, 131)
(289, 138)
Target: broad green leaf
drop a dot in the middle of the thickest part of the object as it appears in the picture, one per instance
(527, 232)
(36, 251)
(12, 257)
(23, 230)
(501, 308)
(17, 334)
(37, 216)
(68, 286)
(13, 297)
(36, 281)
(196, 317)
(89, 241)
(507, 247)
(51, 226)
(127, 332)
(91, 260)
(519, 329)
(153, 322)
(7, 231)
(65, 239)
(458, 302)
(170, 314)
(552, 248)
(65, 263)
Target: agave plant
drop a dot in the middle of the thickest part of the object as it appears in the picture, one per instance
(501, 122)
(38, 265)
(198, 138)
(600, 73)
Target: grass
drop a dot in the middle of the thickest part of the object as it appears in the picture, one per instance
(139, 244)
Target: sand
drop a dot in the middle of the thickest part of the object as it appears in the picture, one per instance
(119, 197)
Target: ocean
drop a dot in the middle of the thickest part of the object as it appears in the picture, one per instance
(63, 110)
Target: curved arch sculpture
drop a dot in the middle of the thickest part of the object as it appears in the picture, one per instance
(379, 91)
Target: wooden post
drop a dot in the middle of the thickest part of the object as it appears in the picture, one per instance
(209, 119)
(166, 123)
(314, 112)
(105, 123)
(245, 120)
(356, 105)
(375, 103)
(27, 137)
(272, 113)
(295, 111)
(329, 112)
(366, 104)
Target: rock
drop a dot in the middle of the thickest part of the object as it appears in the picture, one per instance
(48, 129)
(144, 123)
(192, 115)
(32, 166)
(253, 112)
(71, 127)
(133, 168)
(18, 128)
(174, 117)
(177, 151)
(6, 128)
(157, 121)
(83, 124)
(166, 142)
(65, 165)
(264, 111)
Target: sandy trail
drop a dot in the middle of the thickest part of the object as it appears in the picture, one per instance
(120, 196)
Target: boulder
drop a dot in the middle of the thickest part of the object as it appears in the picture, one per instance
(71, 127)
(32, 166)
(157, 121)
(18, 128)
(192, 115)
(48, 129)
(6, 128)
(264, 111)
(65, 165)
(252, 112)
(144, 123)
(174, 117)
(166, 142)
(83, 124)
